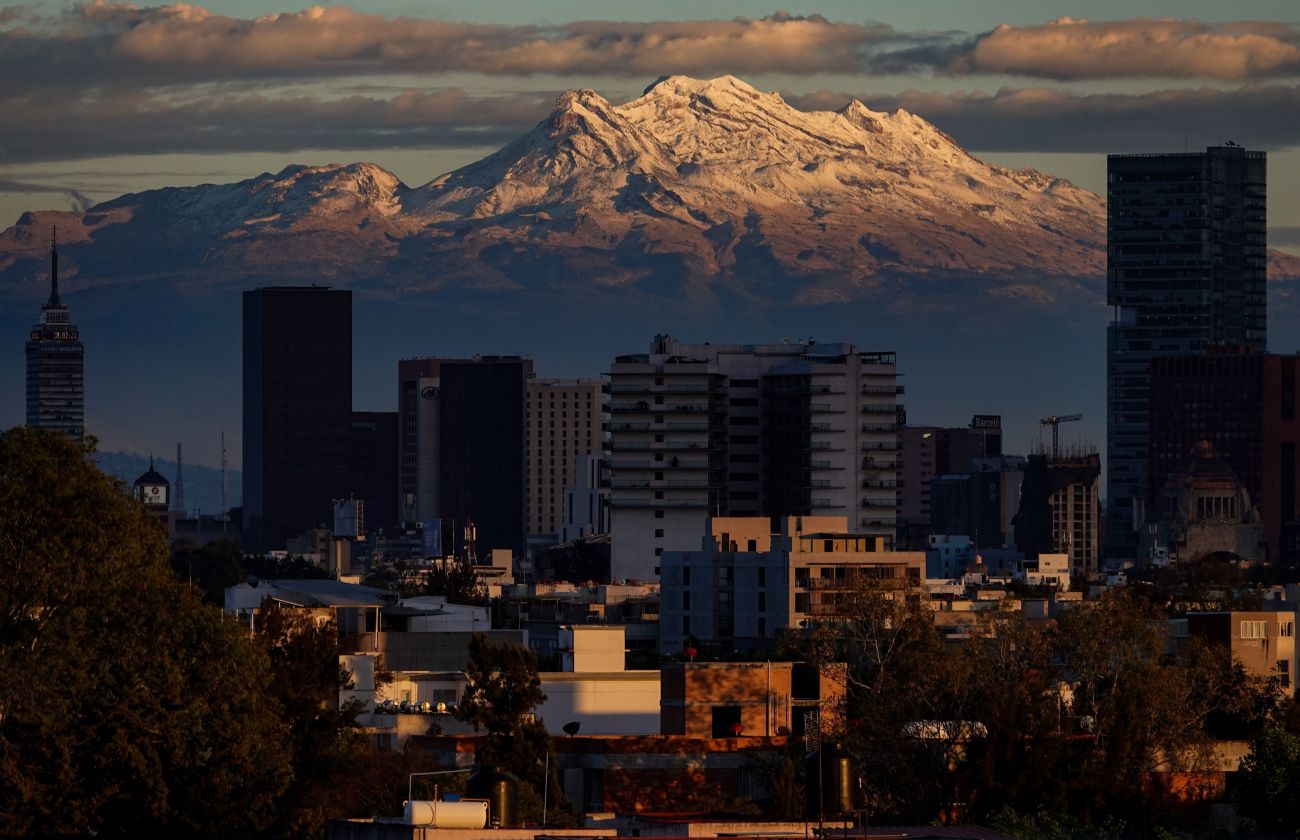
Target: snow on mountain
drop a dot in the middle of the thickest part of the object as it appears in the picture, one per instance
(695, 186)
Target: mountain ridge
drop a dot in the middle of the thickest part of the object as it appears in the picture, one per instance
(695, 188)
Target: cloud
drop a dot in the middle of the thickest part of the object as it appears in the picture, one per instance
(1069, 49)
(1036, 119)
(78, 200)
(57, 127)
(180, 42)
(107, 44)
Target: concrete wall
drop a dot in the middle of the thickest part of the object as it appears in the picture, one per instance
(622, 703)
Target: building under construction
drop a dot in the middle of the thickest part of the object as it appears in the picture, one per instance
(1059, 508)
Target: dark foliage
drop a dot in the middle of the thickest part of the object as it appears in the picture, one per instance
(127, 706)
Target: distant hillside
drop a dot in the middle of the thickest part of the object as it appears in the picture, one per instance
(202, 484)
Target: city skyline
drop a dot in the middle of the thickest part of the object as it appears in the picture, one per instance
(991, 88)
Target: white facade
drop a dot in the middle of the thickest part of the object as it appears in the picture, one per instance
(586, 503)
(700, 430)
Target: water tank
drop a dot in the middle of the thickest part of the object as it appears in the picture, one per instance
(498, 788)
(467, 813)
(837, 785)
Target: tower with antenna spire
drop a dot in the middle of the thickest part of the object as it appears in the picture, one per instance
(180, 481)
(56, 364)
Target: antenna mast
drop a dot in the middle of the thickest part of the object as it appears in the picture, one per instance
(180, 481)
(225, 511)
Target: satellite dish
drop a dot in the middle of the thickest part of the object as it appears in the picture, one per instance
(572, 727)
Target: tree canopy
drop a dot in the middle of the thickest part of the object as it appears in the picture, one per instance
(127, 706)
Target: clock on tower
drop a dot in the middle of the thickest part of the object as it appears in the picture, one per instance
(152, 489)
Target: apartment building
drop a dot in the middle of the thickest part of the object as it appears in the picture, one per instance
(1263, 642)
(701, 430)
(746, 584)
(564, 421)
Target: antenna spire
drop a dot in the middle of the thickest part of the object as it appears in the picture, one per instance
(54, 265)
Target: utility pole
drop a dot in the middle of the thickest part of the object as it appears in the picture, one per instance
(225, 510)
(180, 481)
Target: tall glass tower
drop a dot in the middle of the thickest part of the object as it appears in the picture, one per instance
(56, 392)
(1186, 263)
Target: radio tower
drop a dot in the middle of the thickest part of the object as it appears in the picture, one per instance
(180, 482)
(225, 511)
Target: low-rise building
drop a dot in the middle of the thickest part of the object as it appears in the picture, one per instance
(746, 584)
(749, 699)
(1263, 642)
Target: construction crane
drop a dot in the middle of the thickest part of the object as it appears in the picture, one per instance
(1055, 422)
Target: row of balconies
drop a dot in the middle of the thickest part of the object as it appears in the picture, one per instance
(644, 406)
(700, 426)
(879, 427)
(665, 388)
(882, 389)
(646, 484)
(666, 504)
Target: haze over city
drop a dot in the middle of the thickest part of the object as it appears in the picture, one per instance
(187, 94)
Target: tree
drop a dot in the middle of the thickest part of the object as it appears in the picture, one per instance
(1269, 785)
(455, 580)
(127, 706)
(502, 689)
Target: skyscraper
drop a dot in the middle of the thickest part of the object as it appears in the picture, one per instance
(297, 410)
(461, 448)
(702, 430)
(1186, 260)
(565, 420)
(56, 389)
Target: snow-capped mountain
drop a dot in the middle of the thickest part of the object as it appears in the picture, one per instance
(706, 184)
(693, 188)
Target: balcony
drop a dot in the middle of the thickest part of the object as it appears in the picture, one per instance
(660, 504)
(879, 427)
(878, 464)
(882, 389)
(666, 388)
(657, 446)
(868, 484)
(879, 447)
(629, 427)
(890, 410)
(879, 503)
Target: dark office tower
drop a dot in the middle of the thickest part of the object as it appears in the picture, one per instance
(1185, 271)
(374, 467)
(461, 442)
(297, 410)
(1244, 405)
(56, 385)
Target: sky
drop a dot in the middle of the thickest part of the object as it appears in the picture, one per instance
(104, 98)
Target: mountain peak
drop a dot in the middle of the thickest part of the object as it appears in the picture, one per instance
(688, 85)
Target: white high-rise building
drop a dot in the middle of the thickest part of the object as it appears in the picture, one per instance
(700, 430)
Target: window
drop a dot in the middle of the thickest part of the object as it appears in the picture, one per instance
(1254, 630)
(726, 721)
(1286, 629)
(762, 573)
(1284, 672)
(659, 533)
(686, 600)
(659, 514)
(762, 606)
(752, 546)
(686, 576)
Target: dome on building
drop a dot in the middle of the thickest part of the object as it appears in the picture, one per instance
(152, 477)
(1205, 466)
